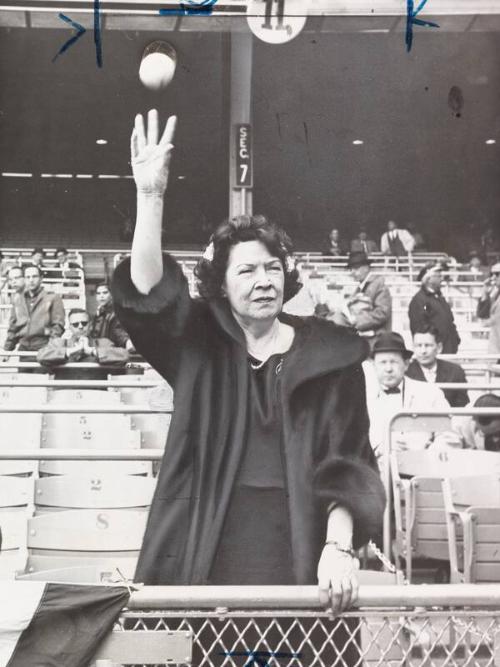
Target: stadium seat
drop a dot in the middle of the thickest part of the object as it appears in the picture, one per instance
(418, 500)
(85, 397)
(77, 538)
(16, 504)
(93, 492)
(472, 507)
(18, 432)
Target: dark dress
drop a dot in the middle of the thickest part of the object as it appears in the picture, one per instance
(255, 545)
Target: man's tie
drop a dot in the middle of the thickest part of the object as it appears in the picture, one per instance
(392, 390)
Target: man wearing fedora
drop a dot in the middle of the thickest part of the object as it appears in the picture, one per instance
(370, 305)
(389, 391)
(429, 307)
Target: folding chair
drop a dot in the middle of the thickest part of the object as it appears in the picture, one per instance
(473, 504)
(420, 523)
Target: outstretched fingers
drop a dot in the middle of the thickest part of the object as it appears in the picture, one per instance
(152, 127)
(140, 133)
(169, 132)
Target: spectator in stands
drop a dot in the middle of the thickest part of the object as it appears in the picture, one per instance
(105, 324)
(36, 315)
(363, 244)
(396, 242)
(370, 306)
(15, 280)
(37, 257)
(488, 308)
(477, 432)
(335, 246)
(476, 267)
(392, 391)
(426, 367)
(429, 307)
(234, 360)
(77, 346)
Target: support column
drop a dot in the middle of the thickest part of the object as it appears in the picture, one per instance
(240, 142)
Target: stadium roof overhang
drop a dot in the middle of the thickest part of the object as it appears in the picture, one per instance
(379, 16)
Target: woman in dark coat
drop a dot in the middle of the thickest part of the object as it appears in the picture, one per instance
(268, 476)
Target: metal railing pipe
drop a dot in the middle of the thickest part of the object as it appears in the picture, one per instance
(306, 597)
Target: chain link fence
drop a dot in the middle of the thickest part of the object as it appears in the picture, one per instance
(465, 635)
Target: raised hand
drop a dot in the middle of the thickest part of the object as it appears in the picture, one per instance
(150, 158)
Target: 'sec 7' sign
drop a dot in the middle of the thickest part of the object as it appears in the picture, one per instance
(244, 171)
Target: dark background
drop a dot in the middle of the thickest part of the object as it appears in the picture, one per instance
(424, 161)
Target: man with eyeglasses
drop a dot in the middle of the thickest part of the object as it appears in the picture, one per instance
(488, 308)
(75, 346)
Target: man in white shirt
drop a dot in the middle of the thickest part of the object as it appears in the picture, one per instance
(390, 392)
(396, 242)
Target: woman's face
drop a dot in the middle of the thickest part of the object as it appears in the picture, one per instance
(254, 282)
(102, 295)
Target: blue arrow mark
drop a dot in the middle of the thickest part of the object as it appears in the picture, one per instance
(411, 20)
(79, 32)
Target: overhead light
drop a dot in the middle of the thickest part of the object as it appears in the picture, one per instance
(181, 178)
(490, 142)
(358, 142)
(101, 142)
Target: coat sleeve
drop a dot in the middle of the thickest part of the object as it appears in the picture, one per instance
(380, 313)
(418, 313)
(108, 353)
(12, 336)
(53, 354)
(117, 333)
(58, 317)
(407, 240)
(347, 473)
(158, 323)
(483, 308)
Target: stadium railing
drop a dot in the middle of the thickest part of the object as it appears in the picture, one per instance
(207, 626)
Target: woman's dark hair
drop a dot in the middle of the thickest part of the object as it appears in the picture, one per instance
(210, 273)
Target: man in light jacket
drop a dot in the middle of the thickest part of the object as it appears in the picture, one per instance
(396, 242)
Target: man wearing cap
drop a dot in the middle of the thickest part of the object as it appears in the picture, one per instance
(390, 392)
(370, 306)
(488, 308)
(429, 307)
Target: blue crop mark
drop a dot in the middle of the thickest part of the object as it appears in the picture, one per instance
(260, 658)
(97, 33)
(411, 20)
(80, 30)
(190, 8)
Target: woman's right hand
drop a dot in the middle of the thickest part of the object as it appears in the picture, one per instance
(150, 158)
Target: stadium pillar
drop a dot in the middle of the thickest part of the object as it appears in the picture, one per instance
(240, 142)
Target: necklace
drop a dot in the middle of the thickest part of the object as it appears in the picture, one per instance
(266, 350)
